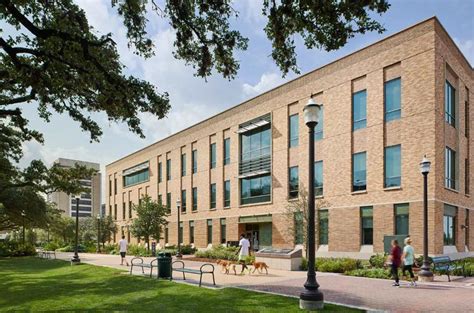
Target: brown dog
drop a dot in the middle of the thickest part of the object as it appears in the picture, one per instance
(260, 266)
(226, 266)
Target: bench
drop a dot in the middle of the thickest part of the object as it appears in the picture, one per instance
(444, 264)
(138, 262)
(45, 254)
(204, 269)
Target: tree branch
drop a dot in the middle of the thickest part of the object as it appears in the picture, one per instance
(26, 98)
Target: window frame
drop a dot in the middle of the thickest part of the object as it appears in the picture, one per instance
(318, 189)
(226, 151)
(293, 191)
(212, 155)
(396, 211)
(450, 168)
(388, 114)
(213, 196)
(194, 156)
(227, 192)
(293, 138)
(355, 123)
(363, 239)
(450, 104)
(362, 187)
(386, 183)
(183, 164)
(195, 199)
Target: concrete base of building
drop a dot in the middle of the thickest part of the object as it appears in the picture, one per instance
(311, 305)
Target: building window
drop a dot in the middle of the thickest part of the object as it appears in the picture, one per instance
(213, 196)
(124, 210)
(367, 225)
(299, 228)
(166, 234)
(115, 211)
(466, 228)
(359, 110)
(318, 130)
(467, 180)
(393, 166)
(183, 201)
(318, 178)
(226, 151)
(180, 232)
(168, 201)
(168, 169)
(449, 225)
(195, 199)
(223, 231)
(255, 189)
(195, 161)
(402, 219)
(160, 199)
(110, 210)
(213, 158)
(450, 168)
(466, 114)
(392, 94)
(294, 131)
(115, 186)
(256, 143)
(209, 231)
(110, 187)
(227, 193)
(136, 178)
(323, 227)
(183, 164)
(160, 172)
(359, 171)
(130, 207)
(191, 231)
(450, 104)
(293, 182)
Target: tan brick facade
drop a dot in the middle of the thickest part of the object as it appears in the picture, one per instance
(424, 57)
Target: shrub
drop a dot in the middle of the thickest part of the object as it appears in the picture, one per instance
(370, 272)
(70, 248)
(137, 250)
(111, 249)
(50, 246)
(219, 252)
(468, 267)
(333, 265)
(14, 249)
(187, 249)
(377, 260)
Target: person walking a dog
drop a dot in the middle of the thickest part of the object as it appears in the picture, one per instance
(244, 247)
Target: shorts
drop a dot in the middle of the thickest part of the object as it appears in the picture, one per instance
(122, 254)
(242, 257)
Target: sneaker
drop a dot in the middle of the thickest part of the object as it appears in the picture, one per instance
(413, 284)
(396, 285)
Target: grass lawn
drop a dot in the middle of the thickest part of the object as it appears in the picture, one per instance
(32, 284)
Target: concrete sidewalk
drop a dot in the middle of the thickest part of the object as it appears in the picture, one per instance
(375, 294)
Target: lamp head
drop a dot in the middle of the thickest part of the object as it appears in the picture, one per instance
(311, 112)
(425, 165)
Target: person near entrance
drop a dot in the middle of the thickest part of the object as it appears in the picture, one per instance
(244, 246)
(123, 245)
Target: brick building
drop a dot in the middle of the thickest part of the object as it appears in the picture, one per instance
(385, 106)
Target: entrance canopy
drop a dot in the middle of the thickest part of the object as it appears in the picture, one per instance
(267, 218)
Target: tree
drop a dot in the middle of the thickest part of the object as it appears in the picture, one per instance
(150, 220)
(64, 228)
(107, 228)
(296, 216)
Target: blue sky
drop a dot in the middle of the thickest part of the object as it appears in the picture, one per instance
(192, 98)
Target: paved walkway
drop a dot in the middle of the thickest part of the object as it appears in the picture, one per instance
(374, 294)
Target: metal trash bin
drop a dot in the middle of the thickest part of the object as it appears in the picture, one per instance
(164, 265)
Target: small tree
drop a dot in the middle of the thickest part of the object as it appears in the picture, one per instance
(150, 220)
(296, 213)
(107, 228)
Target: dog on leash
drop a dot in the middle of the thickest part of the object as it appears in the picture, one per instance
(260, 266)
(226, 266)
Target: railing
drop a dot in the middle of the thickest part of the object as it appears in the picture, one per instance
(257, 164)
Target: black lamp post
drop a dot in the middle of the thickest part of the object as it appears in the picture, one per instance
(98, 233)
(178, 206)
(75, 259)
(311, 298)
(425, 273)
(47, 225)
(23, 214)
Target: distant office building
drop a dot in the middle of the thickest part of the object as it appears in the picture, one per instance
(89, 202)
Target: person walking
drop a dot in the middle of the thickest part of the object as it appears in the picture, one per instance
(408, 259)
(244, 247)
(123, 245)
(395, 258)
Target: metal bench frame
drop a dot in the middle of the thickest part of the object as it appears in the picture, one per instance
(444, 264)
(202, 270)
(137, 261)
(46, 254)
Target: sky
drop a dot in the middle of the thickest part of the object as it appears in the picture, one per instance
(193, 99)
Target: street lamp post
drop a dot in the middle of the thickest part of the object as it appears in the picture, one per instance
(425, 273)
(178, 206)
(75, 259)
(311, 298)
(98, 233)
(47, 225)
(23, 214)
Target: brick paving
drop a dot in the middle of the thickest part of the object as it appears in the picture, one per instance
(374, 294)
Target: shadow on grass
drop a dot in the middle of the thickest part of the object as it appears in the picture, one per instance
(35, 284)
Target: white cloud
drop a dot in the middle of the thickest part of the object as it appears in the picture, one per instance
(467, 48)
(267, 81)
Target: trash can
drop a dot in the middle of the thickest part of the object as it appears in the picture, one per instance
(164, 265)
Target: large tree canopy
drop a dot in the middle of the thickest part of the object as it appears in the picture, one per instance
(51, 58)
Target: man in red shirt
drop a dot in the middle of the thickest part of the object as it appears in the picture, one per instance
(396, 259)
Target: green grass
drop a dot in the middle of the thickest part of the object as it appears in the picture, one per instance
(32, 284)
